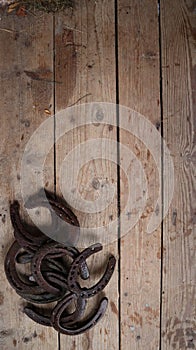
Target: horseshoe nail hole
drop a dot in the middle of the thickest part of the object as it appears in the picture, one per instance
(72, 273)
(72, 286)
(71, 278)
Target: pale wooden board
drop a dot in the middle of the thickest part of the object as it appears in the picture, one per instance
(85, 64)
(178, 24)
(140, 255)
(25, 44)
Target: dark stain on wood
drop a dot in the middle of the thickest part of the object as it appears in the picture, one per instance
(154, 313)
(110, 127)
(136, 318)
(27, 42)
(41, 74)
(174, 217)
(73, 345)
(113, 308)
(89, 343)
(158, 125)
(148, 154)
(159, 254)
(181, 336)
(95, 183)
(42, 336)
(26, 339)
(41, 80)
(3, 218)
(1, 298)
(5, 333)
(157, 210)
(149, 55)
(29, 338)
(66, 66)
(26, 123)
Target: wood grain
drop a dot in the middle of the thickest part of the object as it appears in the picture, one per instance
(138, 44)
(85, 64)
(178, 71)
(26, 45)
(48, 63)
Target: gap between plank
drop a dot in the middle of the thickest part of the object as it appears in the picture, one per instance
(118, 168)
(162, 164)
(54, 136)
(54, 99)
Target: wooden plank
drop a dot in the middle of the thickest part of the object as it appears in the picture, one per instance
(85, 66)
(178, 70)
(138, 44)
(26, 65)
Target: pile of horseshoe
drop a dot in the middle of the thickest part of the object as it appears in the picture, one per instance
(55, 273)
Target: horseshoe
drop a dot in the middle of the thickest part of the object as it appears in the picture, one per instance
(25, 239)
(60, 210)
(69, 319)
(73, 317)
(37, 316)
(13, 277)
(52, 278)
(73, 284)
(56, 278)
(61, 327)
(52, 250)
(44, 298)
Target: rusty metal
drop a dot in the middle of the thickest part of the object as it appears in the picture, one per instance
(72, 279)
(52, 277)
(63, 327)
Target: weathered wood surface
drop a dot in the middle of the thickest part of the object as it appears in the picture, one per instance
(85, 63)
(178, 24)
(25, 45)
(77, 51)
(140, 253)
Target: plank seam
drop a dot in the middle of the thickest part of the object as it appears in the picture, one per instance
(162, 164)
(54, 111)
(118, 168)
(54, 98)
